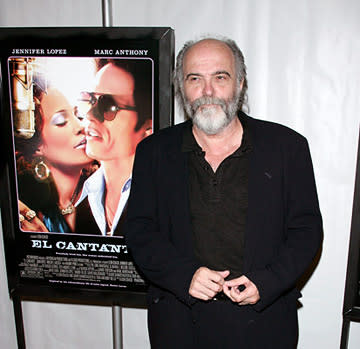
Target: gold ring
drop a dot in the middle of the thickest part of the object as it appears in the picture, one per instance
(30, 215)
(21, 217)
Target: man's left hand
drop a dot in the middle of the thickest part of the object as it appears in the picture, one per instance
(250, 295)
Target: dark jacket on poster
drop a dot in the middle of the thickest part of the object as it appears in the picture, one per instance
(86, 224)
(283, 234)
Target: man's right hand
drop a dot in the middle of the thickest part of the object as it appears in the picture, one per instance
(206, 283)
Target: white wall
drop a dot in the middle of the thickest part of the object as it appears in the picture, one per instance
(303, 67)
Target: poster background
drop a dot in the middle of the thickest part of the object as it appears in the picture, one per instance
(303, 68)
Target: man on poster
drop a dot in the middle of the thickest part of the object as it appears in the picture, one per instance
(119, 115)
(223, 216)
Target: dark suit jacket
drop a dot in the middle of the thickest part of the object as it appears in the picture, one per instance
(283, 232)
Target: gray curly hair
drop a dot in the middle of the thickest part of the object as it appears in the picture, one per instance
(239, 66)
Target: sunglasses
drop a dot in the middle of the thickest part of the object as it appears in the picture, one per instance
(102, 106)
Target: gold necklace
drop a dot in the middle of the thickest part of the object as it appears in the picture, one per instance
(69, 209)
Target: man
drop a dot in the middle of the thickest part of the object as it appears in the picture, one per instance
(119, 115)
(223, 214)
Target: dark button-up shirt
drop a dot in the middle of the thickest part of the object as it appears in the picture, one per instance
(218, 204)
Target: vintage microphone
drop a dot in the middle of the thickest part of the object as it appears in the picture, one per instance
(23, 105)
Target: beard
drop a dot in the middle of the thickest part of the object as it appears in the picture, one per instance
(211, 114)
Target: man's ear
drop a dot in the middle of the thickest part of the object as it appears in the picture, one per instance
(147, 127)
(241, 84)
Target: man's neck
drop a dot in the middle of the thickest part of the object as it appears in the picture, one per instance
(219, 146)
(116, 172)
(221, 142)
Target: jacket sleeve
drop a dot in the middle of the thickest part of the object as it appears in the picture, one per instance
(147, 235)
(303, 229)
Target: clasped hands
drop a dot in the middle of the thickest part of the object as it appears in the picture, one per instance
(207, 283)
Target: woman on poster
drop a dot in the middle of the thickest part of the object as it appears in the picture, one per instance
(52, 165)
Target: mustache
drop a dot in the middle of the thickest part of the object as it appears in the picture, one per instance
(197, 103)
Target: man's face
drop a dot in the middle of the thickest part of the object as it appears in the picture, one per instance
(115, 139)
(210, 85)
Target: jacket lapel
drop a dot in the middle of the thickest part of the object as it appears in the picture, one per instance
(178, 176)
(261, 172)
(251, 238)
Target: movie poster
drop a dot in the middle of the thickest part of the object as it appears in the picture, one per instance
(77, 108)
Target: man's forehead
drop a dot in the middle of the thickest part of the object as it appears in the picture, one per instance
(114, 80)
(207, 52)
(211, 43)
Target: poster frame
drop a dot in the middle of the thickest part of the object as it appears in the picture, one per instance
(162, 38)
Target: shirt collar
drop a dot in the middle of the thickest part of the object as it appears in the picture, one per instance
(95, 183)
(94, 189)
(189, 143)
